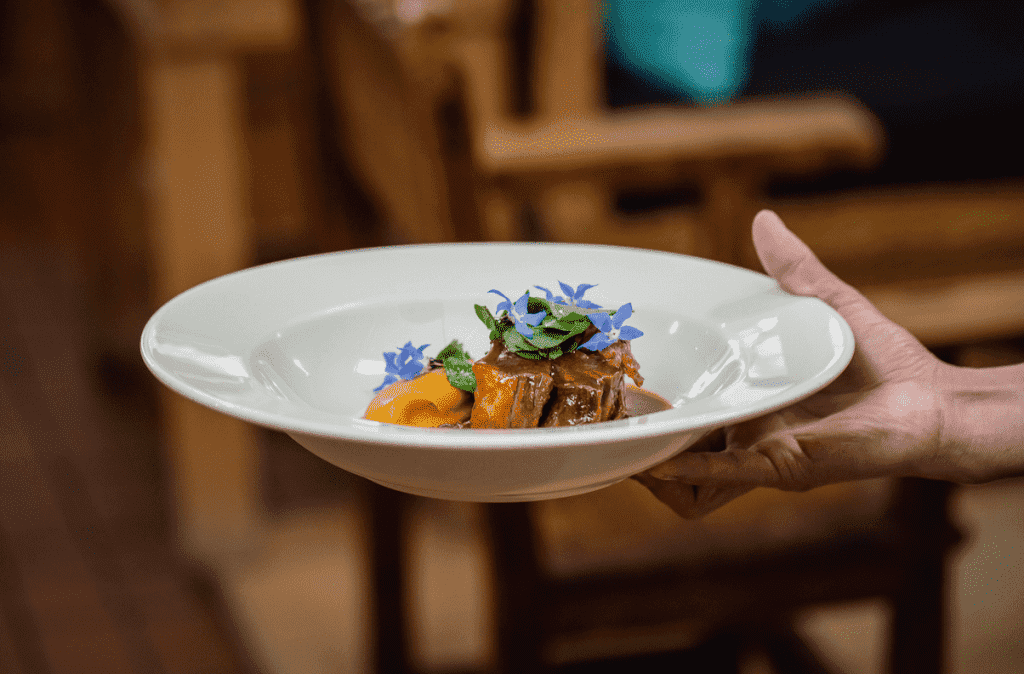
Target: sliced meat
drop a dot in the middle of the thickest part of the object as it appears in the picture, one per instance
(588, 388)
(579, 388)
(511, 391)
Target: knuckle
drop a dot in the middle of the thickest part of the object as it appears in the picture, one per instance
(793, 468)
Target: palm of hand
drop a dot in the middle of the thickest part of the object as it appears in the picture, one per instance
(882, 416)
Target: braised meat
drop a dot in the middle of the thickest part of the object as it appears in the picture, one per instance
(578, 388)
(590, 386)
(510, 390)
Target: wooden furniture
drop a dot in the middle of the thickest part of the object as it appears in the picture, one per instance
(425, 103)
(611, 580)
(523, 129)
(451, 72)
(188, 67)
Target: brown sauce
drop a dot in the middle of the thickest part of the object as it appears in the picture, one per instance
(640, 402)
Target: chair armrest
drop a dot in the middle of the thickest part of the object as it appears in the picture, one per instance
(782, 135)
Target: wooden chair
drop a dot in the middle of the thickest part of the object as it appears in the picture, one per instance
(425, 105)
(606, 574)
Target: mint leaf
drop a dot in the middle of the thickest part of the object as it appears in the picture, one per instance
(458, 366)
(544, 339)
(516, 343)
(460, 373)
(454, 348)
(484, 314)
(535, 304)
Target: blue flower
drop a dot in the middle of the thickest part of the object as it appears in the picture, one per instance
(405, 363)
(519, 315)
(573, 298)
(612, 329)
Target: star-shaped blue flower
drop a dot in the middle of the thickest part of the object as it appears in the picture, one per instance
(573, 298)
(405, 363)
(525, 322)
(612, 329)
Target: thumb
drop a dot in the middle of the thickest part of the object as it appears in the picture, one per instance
(789, 261)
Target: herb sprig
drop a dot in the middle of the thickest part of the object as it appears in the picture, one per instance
(548, 339)
(532, 327)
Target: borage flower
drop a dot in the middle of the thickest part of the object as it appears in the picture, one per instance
(405, 363)
(612, 329)
(573, 298)
(524, 322)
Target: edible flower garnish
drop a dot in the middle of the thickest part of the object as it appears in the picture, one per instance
(573, 298)
(531, 327)
(405, 363)
(519, 313)
(612, 329)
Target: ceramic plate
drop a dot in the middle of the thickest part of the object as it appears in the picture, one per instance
(298, 346)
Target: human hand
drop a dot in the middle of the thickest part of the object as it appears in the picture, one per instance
(882, 416)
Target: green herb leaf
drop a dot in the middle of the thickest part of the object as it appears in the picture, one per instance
(545, 339)
(535, 304)
(485, 315)
(458, 367)
(460, 374)
(516, 343)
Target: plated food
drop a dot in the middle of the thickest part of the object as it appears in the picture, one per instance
(553, 361)
(296, 346)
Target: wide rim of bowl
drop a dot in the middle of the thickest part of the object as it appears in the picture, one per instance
(666, 423)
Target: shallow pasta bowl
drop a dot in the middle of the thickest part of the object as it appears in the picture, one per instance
(298, 346)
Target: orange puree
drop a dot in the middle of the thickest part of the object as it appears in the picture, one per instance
(428, 401)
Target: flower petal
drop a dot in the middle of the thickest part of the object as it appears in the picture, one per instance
(601, 321)
(567, 289)
(410, 369)
(522, 303)
(628, 332)
(623, 314)
(597, 342)
(524, 329)
(587, 304)
(580, 289)
(502, 306)
(547, 293)
(389, 361)
(409, 351)
(534, 318)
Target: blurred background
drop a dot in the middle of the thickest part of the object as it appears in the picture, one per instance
(149, 145)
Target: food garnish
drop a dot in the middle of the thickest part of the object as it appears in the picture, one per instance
(579, 353)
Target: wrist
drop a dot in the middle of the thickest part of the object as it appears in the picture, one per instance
(981, 434)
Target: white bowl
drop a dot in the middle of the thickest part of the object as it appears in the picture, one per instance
(297, 346)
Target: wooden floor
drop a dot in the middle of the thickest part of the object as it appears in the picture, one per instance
(89, 581)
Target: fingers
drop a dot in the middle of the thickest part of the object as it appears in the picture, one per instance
(729, 468)
(789, 261)
(881, 344)
(687, 501)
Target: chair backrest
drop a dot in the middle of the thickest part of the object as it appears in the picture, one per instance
(394, 77)
(384, 111)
